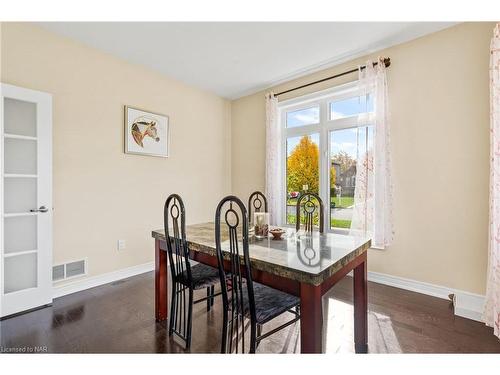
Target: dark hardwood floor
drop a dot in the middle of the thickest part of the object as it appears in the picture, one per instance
(119, 318)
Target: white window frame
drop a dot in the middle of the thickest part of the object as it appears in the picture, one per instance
(323, 128)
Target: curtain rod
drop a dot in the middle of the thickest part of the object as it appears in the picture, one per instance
(387, 63)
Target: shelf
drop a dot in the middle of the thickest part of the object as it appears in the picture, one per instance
(16, 253)
(19, 175)
(16, 136)
(17, 214)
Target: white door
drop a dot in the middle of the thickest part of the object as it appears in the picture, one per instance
(26, 199)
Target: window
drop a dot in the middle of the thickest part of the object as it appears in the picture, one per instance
(350, 107)
(302, 171)
(324, 136)
(301, 117)
(347, 146)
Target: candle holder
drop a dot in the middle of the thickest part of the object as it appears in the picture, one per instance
(261, 224)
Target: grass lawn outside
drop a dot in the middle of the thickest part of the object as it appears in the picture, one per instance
(339, 223)
(343, 202)
(334, 223)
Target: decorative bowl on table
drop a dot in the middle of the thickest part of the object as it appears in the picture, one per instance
(277, 233)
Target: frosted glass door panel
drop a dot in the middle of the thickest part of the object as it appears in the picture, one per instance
(20, 272)
(19, 195)
(20, 233)
(26, 178)
(20, 117)
(20, 156)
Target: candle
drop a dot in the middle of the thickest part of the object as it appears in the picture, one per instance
(261, 224)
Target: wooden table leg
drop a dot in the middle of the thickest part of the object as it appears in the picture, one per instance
(361, 307)
(311, 319)
(161, 283)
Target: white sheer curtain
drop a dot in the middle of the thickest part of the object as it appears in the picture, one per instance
(491, 314)
(372, 212)
(274, 189)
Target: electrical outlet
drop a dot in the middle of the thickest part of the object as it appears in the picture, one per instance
(121, 244)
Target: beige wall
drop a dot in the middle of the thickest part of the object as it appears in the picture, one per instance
(101, 194)
(439, 98)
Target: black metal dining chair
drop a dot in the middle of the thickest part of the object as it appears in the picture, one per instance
(186, 278)
(258, 202)
(311, 205)
(242, 298)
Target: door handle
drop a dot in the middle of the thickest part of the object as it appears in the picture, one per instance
(41, 209)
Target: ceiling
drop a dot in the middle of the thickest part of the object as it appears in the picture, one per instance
(233, 59)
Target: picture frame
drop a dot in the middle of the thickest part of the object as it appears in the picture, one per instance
(146, 133)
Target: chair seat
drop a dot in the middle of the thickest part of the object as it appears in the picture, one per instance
(203, 276)
(269, 302)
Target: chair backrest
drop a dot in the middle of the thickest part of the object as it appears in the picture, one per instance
(311, 205)
(174, 216)
(258, 203)
(237, 297)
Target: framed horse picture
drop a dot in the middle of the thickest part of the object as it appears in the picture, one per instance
(146, 133)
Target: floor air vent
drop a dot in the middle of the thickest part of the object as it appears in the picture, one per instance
(69, 270)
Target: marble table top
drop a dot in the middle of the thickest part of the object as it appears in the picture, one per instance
(305, 258)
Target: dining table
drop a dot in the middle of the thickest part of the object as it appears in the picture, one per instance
(306, 265)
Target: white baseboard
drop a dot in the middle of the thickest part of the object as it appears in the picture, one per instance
(467, 305)
(93, 281)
